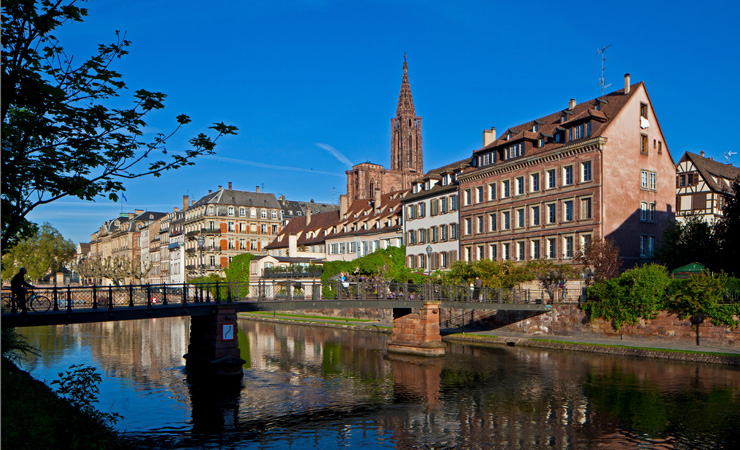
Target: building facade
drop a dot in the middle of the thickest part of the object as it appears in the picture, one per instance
(545, 188)
(432, 218)
(701, 186)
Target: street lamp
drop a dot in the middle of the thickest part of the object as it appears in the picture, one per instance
(429, 271)
(201, 243)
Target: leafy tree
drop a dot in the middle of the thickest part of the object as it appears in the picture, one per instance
(702, 296)
(46, 251)
(238, 272)
(59, 137)
(550, 274)
(684, 243)
(727, 231)
(493, 274)
(602, 260)
(639, 293)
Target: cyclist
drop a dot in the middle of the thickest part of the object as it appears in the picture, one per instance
(18, 286)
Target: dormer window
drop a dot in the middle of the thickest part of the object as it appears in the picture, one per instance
(597, 107)
(508, 136)
(535, 128)
(541, 142)
(428, 185)
(563, 118)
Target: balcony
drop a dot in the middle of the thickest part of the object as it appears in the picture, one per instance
(210, 231)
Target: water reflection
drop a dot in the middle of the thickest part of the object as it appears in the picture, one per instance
(310, 387)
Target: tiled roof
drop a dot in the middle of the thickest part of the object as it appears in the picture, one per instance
(240, 198)
(711, 169)
(610, 105)
(363, 218)
(307, 235)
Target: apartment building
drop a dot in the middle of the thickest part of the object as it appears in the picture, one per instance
(545, 188)
(432, 218)
(701, 184)
(231, 222)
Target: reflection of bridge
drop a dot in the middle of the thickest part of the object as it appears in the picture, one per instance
(213, 308)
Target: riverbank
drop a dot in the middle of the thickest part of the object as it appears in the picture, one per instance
(643, 348)
(34, 417)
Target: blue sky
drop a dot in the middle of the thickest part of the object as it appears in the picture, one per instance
(312, 85)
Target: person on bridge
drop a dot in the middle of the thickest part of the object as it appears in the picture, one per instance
(345, 283)
(476, 289)
(18, 287)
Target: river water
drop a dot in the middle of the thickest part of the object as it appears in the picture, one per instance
(321, 388)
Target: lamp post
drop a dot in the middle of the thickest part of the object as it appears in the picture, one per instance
(429, 272)
(201, 243)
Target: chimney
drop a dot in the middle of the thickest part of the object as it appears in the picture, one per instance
(219, 187)
(185, 202)
(702, 153)
(377, 200)
(282, 197)
(342, 206)
(209, 192)
(489, 136)
(138, 212)
(626, 83)
(229, 185)
(177, 209)
(308, 216)
(572, 103)
(192, 202)
(257, 189)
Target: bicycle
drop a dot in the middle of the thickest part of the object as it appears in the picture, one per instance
(37, 303)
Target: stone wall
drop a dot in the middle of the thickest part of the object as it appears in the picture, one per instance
(569, 320)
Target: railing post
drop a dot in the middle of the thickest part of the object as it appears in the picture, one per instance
(164, 299)
(95, 297)
(148, 296)
(110, 297)
(184, 293)
(56, 298)
(130, 296)
(69, 299)
(218, 293)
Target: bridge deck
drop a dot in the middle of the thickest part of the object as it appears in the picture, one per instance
(150, 311)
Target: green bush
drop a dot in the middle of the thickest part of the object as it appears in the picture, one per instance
(701, 296)
(639, 293)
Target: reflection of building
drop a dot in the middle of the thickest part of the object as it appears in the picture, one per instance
(546, 187)
(432, 218)
(407, 158)
(701, 184)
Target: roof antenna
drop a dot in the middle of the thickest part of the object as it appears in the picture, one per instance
(728, 155)
(602, 79)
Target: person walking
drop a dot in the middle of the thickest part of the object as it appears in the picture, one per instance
(18, 287)
(345, 283)
(476, 289)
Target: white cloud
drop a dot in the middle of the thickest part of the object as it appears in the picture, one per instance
(335, 153)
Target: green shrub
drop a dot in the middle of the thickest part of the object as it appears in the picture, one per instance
(701, 296)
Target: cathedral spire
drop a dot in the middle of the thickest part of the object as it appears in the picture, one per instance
(405, 101)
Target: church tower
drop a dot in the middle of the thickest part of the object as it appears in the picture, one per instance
(406, 153)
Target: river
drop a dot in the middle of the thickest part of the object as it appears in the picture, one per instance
(321, 388)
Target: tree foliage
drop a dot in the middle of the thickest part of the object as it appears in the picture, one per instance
(117, 269)
(550, 274)
(60, 135)
(701, 296)
(684, 243)
(493, 274)
(638, 293)
(601, 260)
(45, 252)
(79, 386)
(727, 231)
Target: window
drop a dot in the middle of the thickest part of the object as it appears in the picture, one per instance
(232, 245)
(647, 246)
(653, 181)
(568, 247)
(505, 189)
(660, 147)
(567, 175)
(492, 252)
(492, 222)
(506, 250)
(480, 228)
(505, 220)
(579, 131)
(550, 175)
(647, 212)
(536, 249)
(434, 207)
(453, 231)
(520, 218)
(586, 171)
(443, 203)
(551, 248)
(568, 210)
(468, 253)
(453, 203)
(519, 185)
(210, 210)
(534, 182)
(643, 144)
(412, 237)
(481, 252)
(643, 110)
(479, 194)
(586, 208)
(231, 226)
(231, 210)
(274, 214)
(648, 180)
(468, 225)
(492, 191)
(585, 242)
(444, 232)
(534, 217)
(468, 197)
(422, 209)
(422, 236)
(263, 214)
(520, 251)
(242, 212)
(342, 248)
(551, 213)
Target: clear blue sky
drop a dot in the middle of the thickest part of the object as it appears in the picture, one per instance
(312, 85)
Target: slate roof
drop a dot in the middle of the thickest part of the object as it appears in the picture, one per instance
(240, 198)
(437, 175)
(715, 173)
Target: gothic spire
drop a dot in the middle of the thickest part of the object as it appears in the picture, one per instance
(405, 101)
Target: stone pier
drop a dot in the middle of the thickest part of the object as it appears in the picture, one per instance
(417, 333)
(214, 348)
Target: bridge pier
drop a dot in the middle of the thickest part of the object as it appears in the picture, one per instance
(214, 348)
(417, 333)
